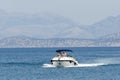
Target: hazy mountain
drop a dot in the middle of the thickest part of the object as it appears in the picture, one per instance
(44, 25)
(111, 40)
(23, 41)
(107, 26)
(40, 26)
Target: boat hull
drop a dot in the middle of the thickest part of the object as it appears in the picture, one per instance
(63, 60)
(63, 63)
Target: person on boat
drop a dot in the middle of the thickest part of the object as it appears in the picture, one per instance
(59, 55)
(64, 54)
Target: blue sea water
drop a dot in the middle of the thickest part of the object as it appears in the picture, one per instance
(27, 64)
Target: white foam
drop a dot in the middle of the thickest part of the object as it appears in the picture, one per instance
(109, 60)
(95, 63)
(47, 65)
(89, 65)
(79, 65)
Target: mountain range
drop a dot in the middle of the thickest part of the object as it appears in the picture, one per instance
(112, 40)
(48, 30)
(45, 26)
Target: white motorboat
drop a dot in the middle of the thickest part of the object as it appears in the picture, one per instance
(63, 59)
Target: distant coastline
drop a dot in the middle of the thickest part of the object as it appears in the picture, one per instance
(112, 40)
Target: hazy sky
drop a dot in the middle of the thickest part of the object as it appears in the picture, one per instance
(80, 11)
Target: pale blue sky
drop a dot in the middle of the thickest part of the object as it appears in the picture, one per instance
(80, 11)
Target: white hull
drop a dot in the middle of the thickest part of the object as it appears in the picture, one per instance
(64, 61)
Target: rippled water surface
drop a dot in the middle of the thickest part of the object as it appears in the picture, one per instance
(28, 64)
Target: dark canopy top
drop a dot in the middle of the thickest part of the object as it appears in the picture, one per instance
(64, 50)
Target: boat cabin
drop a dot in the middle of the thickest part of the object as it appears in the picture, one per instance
(62, 53)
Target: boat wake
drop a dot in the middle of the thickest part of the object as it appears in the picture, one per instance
(95, 63)
(48, 65)
(79, 65)
(109, 61)
(89, 65)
